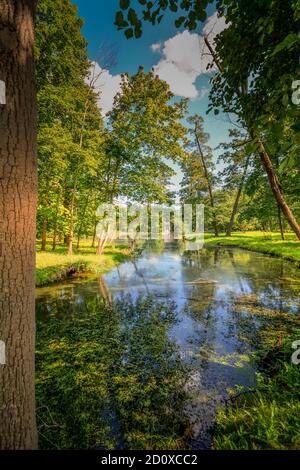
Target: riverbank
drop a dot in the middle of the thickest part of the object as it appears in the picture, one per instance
(268, 243)
(56, 266)
(269, 416)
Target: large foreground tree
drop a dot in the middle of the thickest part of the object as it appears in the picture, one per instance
(18, 188)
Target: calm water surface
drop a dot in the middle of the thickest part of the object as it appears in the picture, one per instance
(228, 302)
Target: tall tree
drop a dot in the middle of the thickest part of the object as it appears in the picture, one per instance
(236, 156)
(252, 55)
(18, 171)
(145, 135)
(201, 139)
(257, 58)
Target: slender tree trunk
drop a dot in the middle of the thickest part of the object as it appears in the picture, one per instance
(54, 237)
(280, 223)
(18, 189)
(45, 222)
(71, 226)
(44, 233)
(265, 159)
(276, 188)
(211, 197)
(237, 199)
(81, 222)
(55, 224)
(94, 233)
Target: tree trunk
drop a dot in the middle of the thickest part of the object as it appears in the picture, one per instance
(71, 226)
(81, 222)
(44, 234)
(211, 197)
(280, 223)
(266, 161)
(55, 225)
(94, 233)
(276, 188)
(18, 189)
(237, 200)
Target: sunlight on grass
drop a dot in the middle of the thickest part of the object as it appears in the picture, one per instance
(263, 242)
(53, 266)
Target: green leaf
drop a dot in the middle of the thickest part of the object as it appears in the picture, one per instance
(132, 17)
(173, 6)
(137, 32)
(287, 43)
(179, 21)
(119, 21)
(124, 4)
(129, 33)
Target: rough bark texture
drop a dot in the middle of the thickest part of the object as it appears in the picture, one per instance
(18, 187)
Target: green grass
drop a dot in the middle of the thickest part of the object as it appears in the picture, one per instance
(269, 418)
(268, 242)
(56, 266)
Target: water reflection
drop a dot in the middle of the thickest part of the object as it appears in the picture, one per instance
(228, 302)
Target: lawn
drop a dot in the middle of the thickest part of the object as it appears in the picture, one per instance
(268, 242)
(53, 266)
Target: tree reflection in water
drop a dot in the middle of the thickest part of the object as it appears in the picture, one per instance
(108, 375)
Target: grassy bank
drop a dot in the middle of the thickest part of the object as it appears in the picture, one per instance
(269, 417)
(269, 243)
(56, 266)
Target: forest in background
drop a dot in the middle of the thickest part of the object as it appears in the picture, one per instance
(86, 159)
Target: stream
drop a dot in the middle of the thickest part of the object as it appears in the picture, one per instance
(228, 303)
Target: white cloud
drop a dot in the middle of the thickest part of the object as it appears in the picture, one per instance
(214, 26)
(106, 84)
(156, 47)
(186, 57)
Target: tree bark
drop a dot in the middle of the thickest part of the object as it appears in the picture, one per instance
(237, 200)
(18, 190)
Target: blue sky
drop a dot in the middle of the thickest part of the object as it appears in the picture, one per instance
(99, 30)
